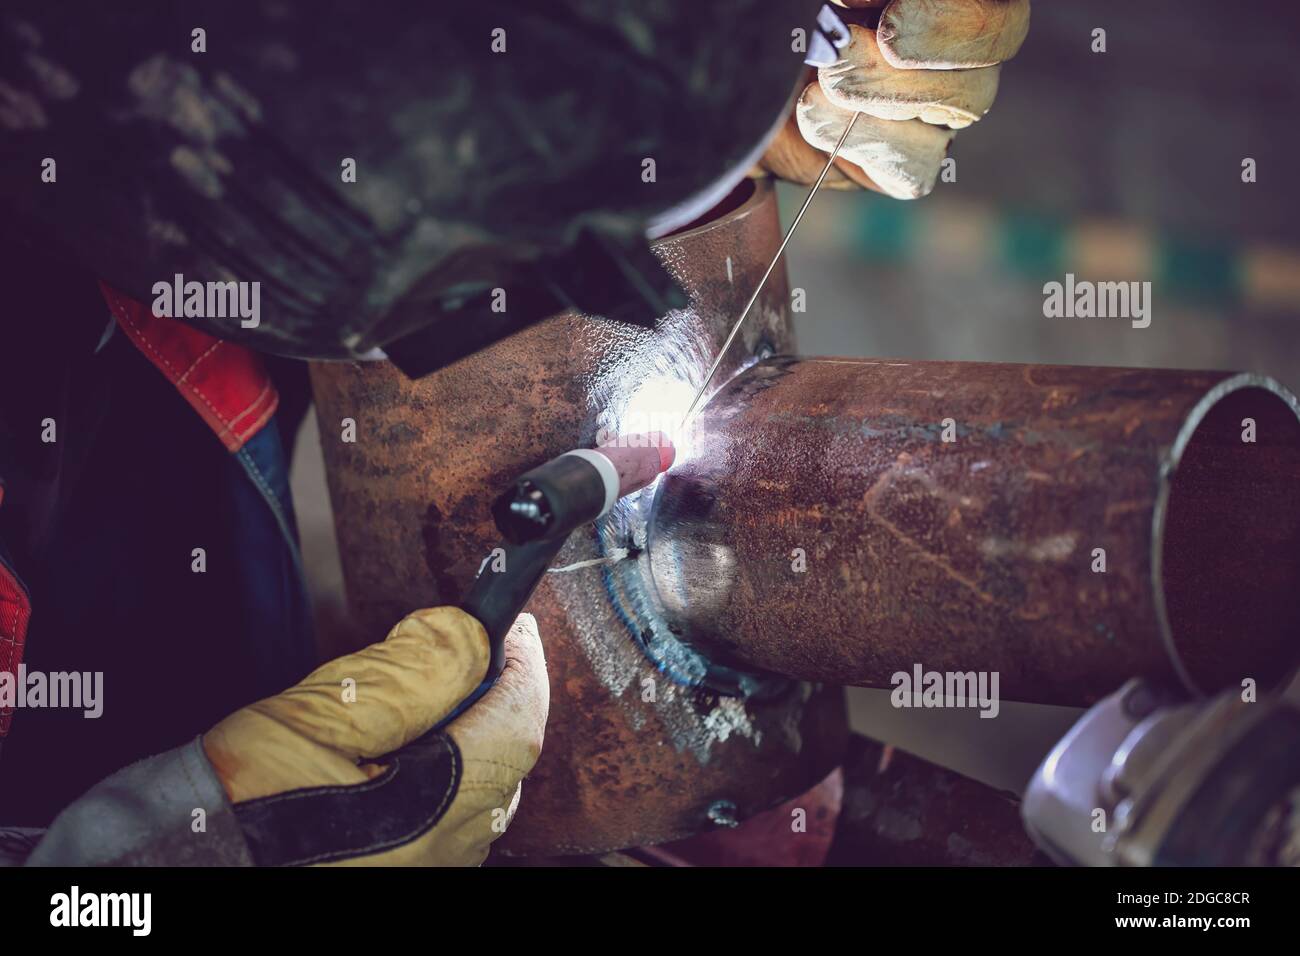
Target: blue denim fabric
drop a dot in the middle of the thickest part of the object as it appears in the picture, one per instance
(270, 573)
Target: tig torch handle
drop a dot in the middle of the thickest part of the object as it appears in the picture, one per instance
(497, 597)
(495, 600)
(578, 487)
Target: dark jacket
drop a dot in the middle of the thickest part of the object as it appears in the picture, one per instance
(165, 441)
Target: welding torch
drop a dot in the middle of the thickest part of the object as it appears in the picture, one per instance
(536, 515)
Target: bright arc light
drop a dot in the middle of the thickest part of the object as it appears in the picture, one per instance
(658, 405)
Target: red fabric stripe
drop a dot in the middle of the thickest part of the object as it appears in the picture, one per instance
(227, 384)
(15, 612)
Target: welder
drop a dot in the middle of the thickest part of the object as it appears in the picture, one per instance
(146, 526)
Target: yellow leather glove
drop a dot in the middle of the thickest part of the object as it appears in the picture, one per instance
(342, 769)
(927, 69)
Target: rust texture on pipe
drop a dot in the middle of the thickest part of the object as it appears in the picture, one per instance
(900, 810)
(637, 750)
(845, 520)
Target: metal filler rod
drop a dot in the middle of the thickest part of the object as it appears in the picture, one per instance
(744, 314)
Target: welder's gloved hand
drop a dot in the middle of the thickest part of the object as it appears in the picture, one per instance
(928, 68)
(306, 769)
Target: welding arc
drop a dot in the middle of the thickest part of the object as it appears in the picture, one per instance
(713, 369)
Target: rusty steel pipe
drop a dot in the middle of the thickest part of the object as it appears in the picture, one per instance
(638, 748)
(845, 520)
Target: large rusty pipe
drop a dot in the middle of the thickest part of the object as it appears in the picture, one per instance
(1065, 527)
(632, 756)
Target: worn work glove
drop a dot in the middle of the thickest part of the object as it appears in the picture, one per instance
(929, 67)
(302, 768)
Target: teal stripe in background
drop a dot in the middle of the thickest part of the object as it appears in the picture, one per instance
(1033, 245)
(1203, 271)
(885, 228)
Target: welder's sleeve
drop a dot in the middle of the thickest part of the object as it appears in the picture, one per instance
(916, 71)
(342, 768)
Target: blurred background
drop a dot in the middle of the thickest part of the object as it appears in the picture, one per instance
(1123, 165)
